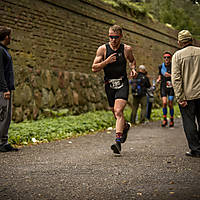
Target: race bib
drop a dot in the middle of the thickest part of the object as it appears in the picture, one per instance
(168, 84)
(116, 83)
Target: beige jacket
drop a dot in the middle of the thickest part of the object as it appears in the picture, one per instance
(186, 73)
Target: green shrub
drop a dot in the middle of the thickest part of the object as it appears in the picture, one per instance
(49, 129)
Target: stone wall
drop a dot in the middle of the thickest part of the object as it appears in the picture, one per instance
(54, 44)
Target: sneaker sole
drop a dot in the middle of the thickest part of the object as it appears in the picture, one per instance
(115, 149)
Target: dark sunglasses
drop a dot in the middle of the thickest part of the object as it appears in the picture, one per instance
(166, 57)
(114, 36)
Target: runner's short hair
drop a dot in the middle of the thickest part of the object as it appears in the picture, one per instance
(4, 31)
(116, 28)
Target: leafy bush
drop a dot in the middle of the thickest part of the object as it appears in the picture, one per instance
(49, 129)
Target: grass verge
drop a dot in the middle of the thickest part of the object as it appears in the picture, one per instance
(49, 129)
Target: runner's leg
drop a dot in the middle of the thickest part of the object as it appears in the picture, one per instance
(171, 110)
(120, 121)
(118, 110)
(164, 102)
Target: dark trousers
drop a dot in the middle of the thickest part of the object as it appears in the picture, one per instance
(5, 118)
(139, 100)
(191, 123)
(149, 107)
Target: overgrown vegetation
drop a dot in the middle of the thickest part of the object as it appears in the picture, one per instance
(49, 129)
(136, 9)
(179, 14)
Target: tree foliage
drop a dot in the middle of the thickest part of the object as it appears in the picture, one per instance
(181, 14)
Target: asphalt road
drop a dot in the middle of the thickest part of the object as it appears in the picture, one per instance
(152, 165)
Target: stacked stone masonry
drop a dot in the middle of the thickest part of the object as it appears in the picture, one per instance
(54, 44)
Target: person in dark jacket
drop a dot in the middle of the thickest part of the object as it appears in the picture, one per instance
(139, 87)
(6, 87)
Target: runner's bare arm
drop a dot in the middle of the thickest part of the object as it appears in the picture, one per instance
(158, 79)
(167, 74)
(99, 62)
(131, 59)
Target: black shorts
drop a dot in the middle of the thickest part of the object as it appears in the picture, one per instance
(164, 92)
(113, 94)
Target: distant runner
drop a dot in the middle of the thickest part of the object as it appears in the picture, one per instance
(166, 89)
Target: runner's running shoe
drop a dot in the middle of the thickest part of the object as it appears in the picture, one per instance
(164, 123)
(171, 124)
(125, 132)
(116, 148)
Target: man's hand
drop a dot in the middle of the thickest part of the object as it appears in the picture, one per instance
(6, 95)
(167, 74)
(112, 58)
(99, 62)
(183, 103)
(158, 79)
(133, 73)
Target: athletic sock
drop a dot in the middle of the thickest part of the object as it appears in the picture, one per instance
(118, 137)
(171, 112)
(165, 117)
(164, 111)
(171, 124)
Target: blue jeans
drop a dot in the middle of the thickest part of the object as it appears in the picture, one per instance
(191, 123)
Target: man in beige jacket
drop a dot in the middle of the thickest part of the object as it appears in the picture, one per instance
(186, 84)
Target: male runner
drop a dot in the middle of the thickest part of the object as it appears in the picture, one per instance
(112, 58)
(166, 88)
